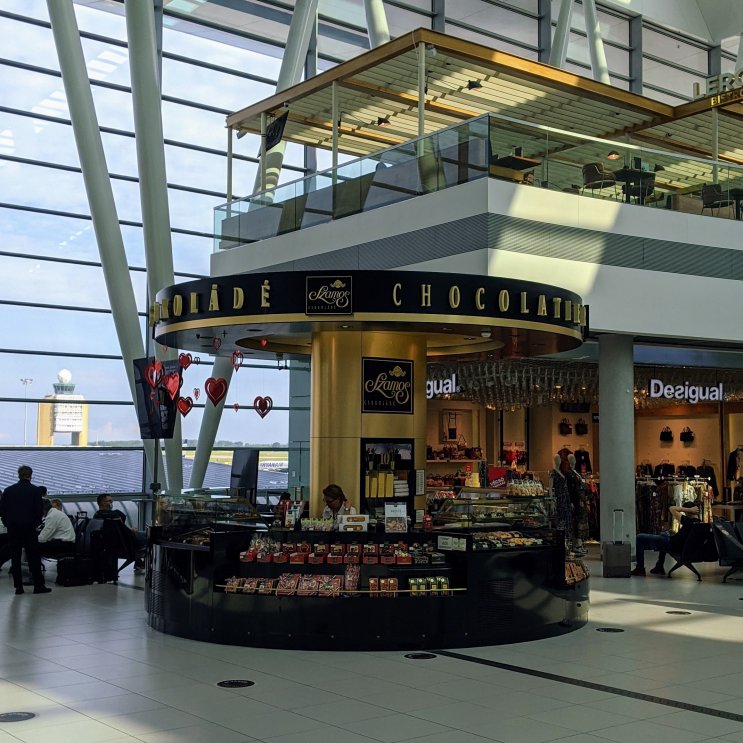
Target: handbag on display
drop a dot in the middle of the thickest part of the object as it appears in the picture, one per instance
(565, 427)
(666, 434)
(687, 435)
(581, 427)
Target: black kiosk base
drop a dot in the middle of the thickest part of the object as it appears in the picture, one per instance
(488, 598)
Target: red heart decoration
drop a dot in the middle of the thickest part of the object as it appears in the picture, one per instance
(264, 342)
(215, 388)
(263, 405)
(153, 372)
(196, 393)
(172, 383)
(184, 405)
(236, 406)
(237, 359)
(217, 344)
(185, 360)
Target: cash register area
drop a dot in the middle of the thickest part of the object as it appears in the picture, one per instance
(85, 663)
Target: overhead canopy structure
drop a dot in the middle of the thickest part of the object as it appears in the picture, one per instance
(376, 100)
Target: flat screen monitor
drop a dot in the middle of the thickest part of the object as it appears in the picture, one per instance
(244, 473)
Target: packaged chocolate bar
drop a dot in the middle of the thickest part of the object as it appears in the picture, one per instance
(287, 584)
(392, 585)
(266, 585)
(351, 578)
(250, 585)
(232, 585)
(308, 585)
(432, 584)
(373, 587)
(329, 585)
(384, 587)
(443, 582)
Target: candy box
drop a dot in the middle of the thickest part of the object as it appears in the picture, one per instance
(335, 559)
(351, 559)
(280, 557)
(370, 559)
(297, 558)
(315, 559)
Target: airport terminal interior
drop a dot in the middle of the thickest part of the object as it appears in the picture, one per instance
(387, 326)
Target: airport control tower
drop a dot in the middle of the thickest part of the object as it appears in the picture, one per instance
(64, 413)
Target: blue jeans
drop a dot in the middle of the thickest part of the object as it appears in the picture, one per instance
(656, 542)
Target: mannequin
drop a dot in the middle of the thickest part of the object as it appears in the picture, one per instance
(579, 502)
(559, 491)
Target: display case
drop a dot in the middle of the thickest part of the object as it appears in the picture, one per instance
(491, 508)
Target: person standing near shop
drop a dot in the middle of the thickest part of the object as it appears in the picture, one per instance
(21, 512)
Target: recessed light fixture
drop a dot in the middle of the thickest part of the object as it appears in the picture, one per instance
(345, 327)
(474, 85)
(613, 155)
(383, 121)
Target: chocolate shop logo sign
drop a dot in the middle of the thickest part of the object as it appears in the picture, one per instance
(694, 393)
(387, 386)
(329, 295)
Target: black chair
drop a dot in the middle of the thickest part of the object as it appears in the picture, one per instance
(698, 547)
(596, 178)
(729, 547)
(713, 198)
(109, 542)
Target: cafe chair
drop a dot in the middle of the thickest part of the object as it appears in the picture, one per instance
(729, 547)
(713, 198)
(640, 191)
(596, 178)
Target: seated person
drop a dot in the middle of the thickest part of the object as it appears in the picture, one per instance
(687, 514)
(106, 511)
(57, 535)
(336, 503)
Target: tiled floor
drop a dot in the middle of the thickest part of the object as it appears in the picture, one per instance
(84, 661)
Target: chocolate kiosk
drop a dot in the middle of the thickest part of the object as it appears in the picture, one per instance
(491, 570)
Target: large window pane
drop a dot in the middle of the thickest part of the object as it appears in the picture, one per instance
(670, 78)
(489, 41)
(496, 20)
(402, 21)
(675, 50)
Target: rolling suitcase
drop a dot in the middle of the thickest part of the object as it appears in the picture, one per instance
(76, 571)
(616, 555)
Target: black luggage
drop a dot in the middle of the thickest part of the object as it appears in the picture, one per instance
(77, 571)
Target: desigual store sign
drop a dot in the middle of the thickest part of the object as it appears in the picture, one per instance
(230, 309)
(692, 393)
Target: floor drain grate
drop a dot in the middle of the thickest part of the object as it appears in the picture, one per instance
(16, 716)
(678, 612)
(420, 656)
(235, 684)
(609, 629)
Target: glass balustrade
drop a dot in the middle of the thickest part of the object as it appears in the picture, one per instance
(523, 153)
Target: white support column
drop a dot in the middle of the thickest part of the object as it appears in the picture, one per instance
(292, 64)
(153, 191)
(715, 145)
(421, 89)
(617, 433)
(376, 23)
(99, 193)
(599, 66)
(302, 25)
(560, 43)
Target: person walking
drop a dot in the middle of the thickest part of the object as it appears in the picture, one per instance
(21, 513)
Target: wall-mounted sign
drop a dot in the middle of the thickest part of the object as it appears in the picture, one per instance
(442, 386)
(329, 295)
(693, 393)
(721, 89)
(386, 386)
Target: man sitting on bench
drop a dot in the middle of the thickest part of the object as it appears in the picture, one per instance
(57, 535)
(687, 514)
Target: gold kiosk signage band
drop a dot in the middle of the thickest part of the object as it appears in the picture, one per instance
(303, 299)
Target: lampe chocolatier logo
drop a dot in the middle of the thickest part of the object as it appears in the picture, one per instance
(329, 295)
(387, 386)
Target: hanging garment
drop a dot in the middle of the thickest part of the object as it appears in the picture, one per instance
(707, 472)
(735, 464)
(582, 462)
(563, 517)
(579, 502)
(564, 464)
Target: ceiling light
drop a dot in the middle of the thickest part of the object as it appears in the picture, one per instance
(486, 332)
(474, 85)
(613, 155)
(383, 121)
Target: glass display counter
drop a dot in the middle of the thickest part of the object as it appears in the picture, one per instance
(238, 582)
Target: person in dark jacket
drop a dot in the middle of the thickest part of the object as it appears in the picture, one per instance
(687, 515)
(21, 513)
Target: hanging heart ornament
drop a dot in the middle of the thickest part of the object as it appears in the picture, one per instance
(217, 344)
(236, 406)
(196, 393)
(184, 405)
(172, 383)
(153, 372)
(185, 360)
(262, 405)
(215, 388)
(237, 359)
